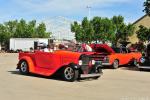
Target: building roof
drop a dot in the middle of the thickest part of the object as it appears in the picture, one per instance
(140, 19)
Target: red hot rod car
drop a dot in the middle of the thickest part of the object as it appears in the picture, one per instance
(72, 65)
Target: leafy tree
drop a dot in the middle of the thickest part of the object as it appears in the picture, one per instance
(41, 31)
(123, 31)
(88, 30)
(2, 34)
(75, 27)
(22, 29)
(31, 29)
(118, 21)
(11, 27)
(102, 29)
(143, 33)
(147, 7)
(83, 32)
(128, 31)
(96, 22)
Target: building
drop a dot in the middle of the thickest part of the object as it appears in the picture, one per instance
(145, 21)
(60, 28)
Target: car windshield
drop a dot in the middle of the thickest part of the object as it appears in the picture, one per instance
(117, 50)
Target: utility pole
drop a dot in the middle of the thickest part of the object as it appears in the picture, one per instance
(89, 12)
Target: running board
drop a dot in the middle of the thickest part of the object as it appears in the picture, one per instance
(90, 75)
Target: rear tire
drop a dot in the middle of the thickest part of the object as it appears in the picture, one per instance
(134, 63)
(70, 74)
(115, 64)
(23, 67)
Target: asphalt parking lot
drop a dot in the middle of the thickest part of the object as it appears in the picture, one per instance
(121, 84)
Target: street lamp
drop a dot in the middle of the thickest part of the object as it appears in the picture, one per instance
(89, 12)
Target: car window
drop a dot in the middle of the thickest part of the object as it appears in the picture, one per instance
(124, 50)
(117, 50)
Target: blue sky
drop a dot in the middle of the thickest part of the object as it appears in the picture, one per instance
(71, 9)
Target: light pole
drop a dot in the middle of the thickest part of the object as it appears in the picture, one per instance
(89, 12)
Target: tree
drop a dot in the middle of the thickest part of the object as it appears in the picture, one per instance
(2, 34)
(88, 30)
(22, 29)
(104, 29)
(96, 22)
(41, 31)
(147, 7)
(143, 33)
(11, 27)
(123, 31)
(75, 27)
(31, 29)
(83, 32)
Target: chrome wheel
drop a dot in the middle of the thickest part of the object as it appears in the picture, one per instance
(23, 67)
(69, 73)
(115, 64)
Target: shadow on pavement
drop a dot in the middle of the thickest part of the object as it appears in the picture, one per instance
(135, 69)
(128, 67)
(53, 77)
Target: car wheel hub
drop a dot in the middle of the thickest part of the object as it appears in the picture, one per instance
(23, 67)
(116, 64)
(69, 73)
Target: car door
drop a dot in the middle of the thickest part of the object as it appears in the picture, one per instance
(126, 57)
(44, 60)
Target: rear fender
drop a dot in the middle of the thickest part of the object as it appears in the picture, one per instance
(30, 63)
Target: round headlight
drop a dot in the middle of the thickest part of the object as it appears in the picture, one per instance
(93, 62)
(142, 60)
(80, 62)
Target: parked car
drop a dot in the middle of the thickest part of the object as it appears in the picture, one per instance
(115, 57)
(71, 65)
(145, 59)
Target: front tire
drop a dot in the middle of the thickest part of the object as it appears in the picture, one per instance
(70, 74)
(136, 64)
(23, 67)
(115, 64)
(99, 70)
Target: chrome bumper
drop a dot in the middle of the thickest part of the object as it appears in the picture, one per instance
(90, 75)
(144, 67)
(106, 64)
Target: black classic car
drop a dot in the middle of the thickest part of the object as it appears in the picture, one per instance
(145, 59)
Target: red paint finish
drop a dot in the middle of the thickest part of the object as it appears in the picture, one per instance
(123, 58)
(47, 63)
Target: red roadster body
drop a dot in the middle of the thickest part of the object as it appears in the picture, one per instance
(72, 65)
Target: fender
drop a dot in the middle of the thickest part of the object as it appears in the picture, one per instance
(30, 63)
(74, 66)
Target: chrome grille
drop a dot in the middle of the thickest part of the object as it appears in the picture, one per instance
(85, 59)
(98, 57)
